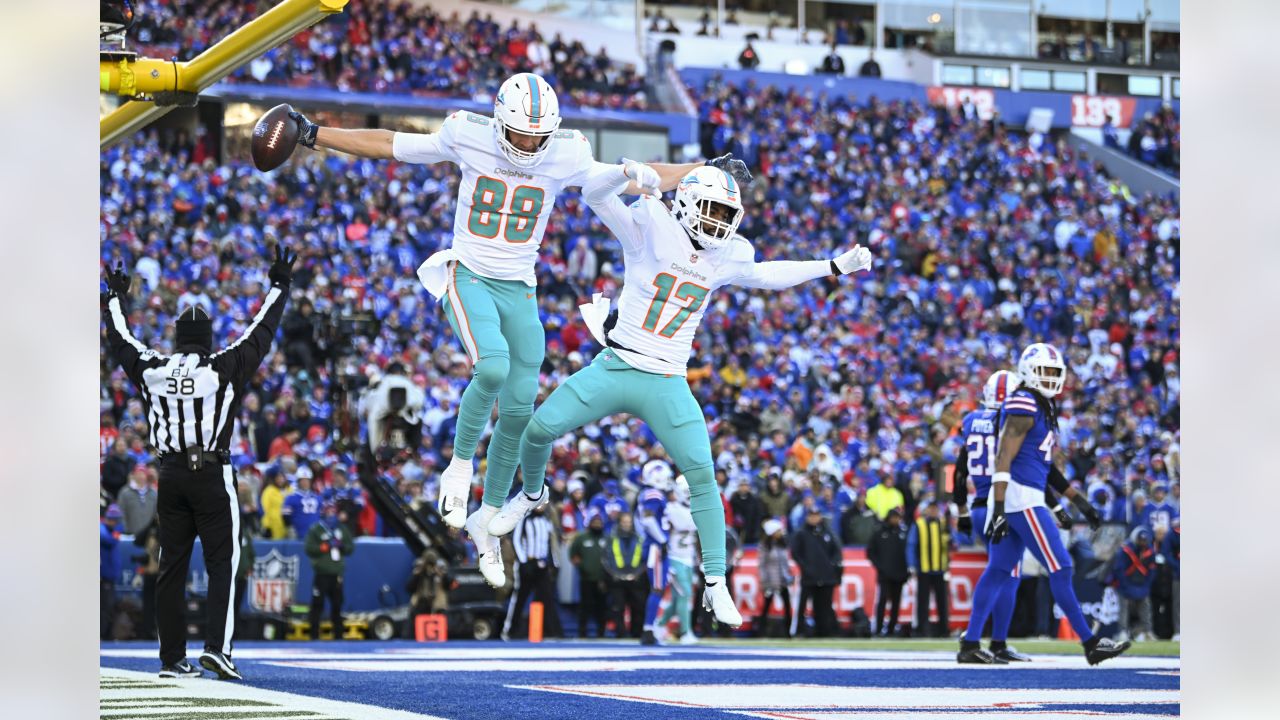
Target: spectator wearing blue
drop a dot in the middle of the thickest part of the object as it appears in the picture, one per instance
(348, 498)
(108, 566)
(1162, 512)
(610, 504)
(1132, 573)
(302, 507)
(1139, 511)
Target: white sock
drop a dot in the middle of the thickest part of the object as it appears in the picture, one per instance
(486, 513)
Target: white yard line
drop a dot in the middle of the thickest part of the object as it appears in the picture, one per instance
(131, 694)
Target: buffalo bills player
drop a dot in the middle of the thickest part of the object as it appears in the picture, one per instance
(976, 462)
(652, 508)
(1019, 518)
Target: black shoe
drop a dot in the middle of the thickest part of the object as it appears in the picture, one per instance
(220, 664)
(974, 654)
(648, 639)
(183, 669)
(1008, 654)
(1103, 649)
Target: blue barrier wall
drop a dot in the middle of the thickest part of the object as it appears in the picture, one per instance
(375, 564)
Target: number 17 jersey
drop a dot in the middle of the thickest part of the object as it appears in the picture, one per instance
(666, 287)
(502, 208)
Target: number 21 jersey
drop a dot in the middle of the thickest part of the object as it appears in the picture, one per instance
(502, 209)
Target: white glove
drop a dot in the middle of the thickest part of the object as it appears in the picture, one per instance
(859, 258)
(643, 176)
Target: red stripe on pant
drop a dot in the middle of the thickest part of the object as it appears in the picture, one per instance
(1041, 540)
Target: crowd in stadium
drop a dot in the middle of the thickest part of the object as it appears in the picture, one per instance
(1156, 139)
(986, 239)
(390, 47)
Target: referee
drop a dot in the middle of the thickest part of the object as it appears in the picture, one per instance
(191, 399)
(536, 549)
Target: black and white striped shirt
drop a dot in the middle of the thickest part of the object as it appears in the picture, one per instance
(533, 540)
(192, 399)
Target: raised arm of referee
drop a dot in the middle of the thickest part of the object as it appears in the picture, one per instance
(191, 399)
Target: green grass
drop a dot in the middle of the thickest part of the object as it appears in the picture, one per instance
(1166, 648)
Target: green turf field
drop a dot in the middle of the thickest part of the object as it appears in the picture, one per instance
(1031, 647)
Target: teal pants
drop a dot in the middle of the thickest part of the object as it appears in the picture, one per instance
(681, 604)
(609, 386)
(498, 325)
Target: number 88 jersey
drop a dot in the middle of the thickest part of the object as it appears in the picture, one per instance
(502, 209)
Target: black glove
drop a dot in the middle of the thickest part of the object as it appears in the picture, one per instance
(281, 272)
(999, 525)
(732, 165)
(1087, 509)
(964, 524)
(1063, 517)
(306, 129)
(118, 282)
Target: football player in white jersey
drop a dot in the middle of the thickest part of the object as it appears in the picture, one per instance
(682, 538)
(513, 166)
(674, 259)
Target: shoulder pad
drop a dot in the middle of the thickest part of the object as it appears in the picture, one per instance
(740, 250)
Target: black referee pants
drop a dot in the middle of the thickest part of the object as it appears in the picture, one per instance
(534, 579)
(191, 504)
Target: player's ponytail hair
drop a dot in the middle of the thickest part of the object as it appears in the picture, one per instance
(1050, 408)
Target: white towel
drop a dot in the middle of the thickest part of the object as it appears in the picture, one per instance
(594, 314)
(434, 273)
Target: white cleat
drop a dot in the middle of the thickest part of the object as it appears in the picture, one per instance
(688, 639)
(455, 488)
(660, 634)
(491, 566)
(514, 511)
(717, 600)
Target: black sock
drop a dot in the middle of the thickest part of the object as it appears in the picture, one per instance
(1092, 642)
(997, 645)
(969, 644)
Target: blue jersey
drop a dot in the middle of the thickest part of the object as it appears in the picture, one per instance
(301, 510)
(652, 507)
(1030, 466)
(979, 430)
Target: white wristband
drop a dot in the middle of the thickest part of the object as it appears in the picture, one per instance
(1001, 477)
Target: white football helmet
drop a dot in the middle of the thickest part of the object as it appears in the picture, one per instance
(1041, 368)
(681, 491)
(709, 205)
(999, 386)
(657, 474)
(526, 104)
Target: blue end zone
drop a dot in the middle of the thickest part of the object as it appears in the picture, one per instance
(605, 680)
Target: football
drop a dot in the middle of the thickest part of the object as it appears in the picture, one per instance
(274, 138)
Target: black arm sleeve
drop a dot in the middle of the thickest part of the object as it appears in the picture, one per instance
(132, 355)
(960, 486)
(1057, 482)
(241, 359)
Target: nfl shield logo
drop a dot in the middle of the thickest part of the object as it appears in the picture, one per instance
(693, 258)
(272, 582)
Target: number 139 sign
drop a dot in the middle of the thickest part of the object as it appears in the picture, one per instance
(1093, 110)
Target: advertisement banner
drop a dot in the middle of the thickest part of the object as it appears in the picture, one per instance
(858, 588)
(1092, 111)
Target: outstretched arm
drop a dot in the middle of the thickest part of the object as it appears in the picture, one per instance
(779, 274)
(377, 144)
(132, 355)
(374, 143)
(671, 174)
